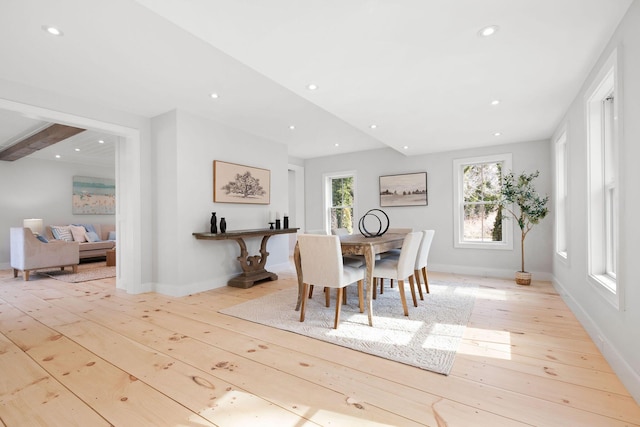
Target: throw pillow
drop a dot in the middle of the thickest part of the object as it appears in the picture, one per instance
(42, 238)
(92, 236)
(112, 235)
(62, 232)
(90, 227)
(78, 232)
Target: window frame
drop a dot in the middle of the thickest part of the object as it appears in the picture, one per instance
(561, 196)
(458, 203)
(603, 213)
(327, 181)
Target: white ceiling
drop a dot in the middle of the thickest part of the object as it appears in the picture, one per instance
(415, 68)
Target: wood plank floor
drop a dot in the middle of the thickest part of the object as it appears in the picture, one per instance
(87, 354)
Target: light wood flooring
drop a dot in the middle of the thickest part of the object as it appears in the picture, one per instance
(87, 354)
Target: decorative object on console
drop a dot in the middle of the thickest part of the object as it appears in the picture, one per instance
(223, 225)
(214, 223)
(233, 183)
(371, 213)
(404, 190)
(286, 221)
(35, 224)
(95, 196)
(271, 225)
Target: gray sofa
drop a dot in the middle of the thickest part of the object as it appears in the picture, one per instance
(92, 249)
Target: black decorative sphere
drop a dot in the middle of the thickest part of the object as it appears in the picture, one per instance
(380, 231)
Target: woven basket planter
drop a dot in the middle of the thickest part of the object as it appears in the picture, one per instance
(523, 278)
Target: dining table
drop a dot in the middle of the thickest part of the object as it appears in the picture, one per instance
(357, 244)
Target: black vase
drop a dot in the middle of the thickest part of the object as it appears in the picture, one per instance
(223, 225)
(286, 222)
(214, 221)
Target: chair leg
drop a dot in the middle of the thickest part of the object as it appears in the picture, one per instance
(391, 283)
(361, 295)
(15, 273)
(381, 286)
(74, 268)
(304, 302)
(402, 297)
(375, 287)
(426, 279)
(413, 291)
(25, 275)
(344, 295)
(338, 307)
(327, 296)
(416, 274)
(310, 291)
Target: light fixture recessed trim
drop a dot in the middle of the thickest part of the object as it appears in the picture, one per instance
(58, 156)
(497, 134)
(373, 126)
(214, 95)
(487, 31)
(336, 145)
(101, 141)
(406, 147)
(292, 127)
(495, 102)
(54, 31)
(312, 86)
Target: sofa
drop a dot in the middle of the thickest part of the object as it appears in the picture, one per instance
(91, 245)
(28, 253)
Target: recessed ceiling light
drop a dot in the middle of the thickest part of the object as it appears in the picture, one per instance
(495, 102)
(101, 141)
(373, 126)
(336, 145)
(488, 31)
(214, 95)
(406, 147)
(292, 127)
(312, 86)
(52, 30)
(58, 156)
(497, 134)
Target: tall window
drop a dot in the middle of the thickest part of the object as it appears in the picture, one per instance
(477, 189)
(603, 209)
(561, 195)
(340, 197)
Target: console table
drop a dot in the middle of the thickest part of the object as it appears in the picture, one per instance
(252, 266)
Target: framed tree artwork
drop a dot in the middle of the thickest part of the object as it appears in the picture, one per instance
(233, 183)
(409, 189)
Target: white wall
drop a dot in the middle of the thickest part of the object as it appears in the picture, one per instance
(617, 332)
(35, 188)
(185, 147)
(438, 215)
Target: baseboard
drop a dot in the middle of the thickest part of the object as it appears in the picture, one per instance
(486, 272)
(629, 377)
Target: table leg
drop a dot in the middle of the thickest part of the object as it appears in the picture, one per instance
(252, 266)
(298, 264)
(369, 262)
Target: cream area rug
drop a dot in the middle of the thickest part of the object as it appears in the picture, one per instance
(68, 276)
(427, 339)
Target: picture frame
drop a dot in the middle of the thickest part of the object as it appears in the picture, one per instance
(93, 196)
(409, 189)
(234, 183)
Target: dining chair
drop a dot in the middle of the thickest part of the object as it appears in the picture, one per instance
(421, 260)
(401, 268)
(392, 252)
(321, 264)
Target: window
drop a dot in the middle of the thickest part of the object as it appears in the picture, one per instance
(478, 219)
(561, 195)
(603, 210)
(340, 200)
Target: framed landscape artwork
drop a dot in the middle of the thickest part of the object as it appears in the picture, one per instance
(233, 183)
(93, 196)
(408, 189)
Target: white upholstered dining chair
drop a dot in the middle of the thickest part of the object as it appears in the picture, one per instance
(401, 268)
(421, 260)
(322, 265)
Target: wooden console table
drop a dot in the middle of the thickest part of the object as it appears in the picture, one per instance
(252, 266)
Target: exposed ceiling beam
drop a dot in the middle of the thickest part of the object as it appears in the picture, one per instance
(49, 136)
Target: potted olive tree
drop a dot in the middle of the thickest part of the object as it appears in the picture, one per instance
(518, 196)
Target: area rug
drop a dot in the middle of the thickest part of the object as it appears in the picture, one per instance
(427, 339)
(68, 276)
